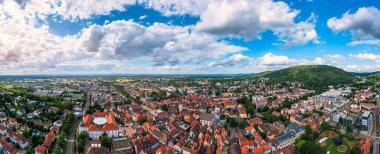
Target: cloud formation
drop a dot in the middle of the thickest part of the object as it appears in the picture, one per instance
(247, 19)
(164, 44)
(27, 43)
(229, 62)
(363, 25)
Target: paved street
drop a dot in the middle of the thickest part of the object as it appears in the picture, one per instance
(70, 147)
(376, 143)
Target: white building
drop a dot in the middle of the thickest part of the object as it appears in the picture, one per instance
(99, 123)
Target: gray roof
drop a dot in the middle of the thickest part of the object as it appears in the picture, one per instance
(366, 114)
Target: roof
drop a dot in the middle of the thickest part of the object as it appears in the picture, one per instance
(50, 137)
(206, 116)
(40, 149)
(259, 150)
(93, 127)
(249, 128)
(18, 137)
(262, 101)
(366, 146)
(366, 114)
(110, 125)
(244, 150)
(286, 136)
(7, 146)
(98, 150)
(295, 127)
(286, 150)
(87, 120)
(247, 142)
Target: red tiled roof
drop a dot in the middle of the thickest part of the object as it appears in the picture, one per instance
(87, 120)
(109, 127)
(17, 137)
(100, 114)
(263, 101)
(40, 149)
(161, 114)
(111, 119)
(247, 142)
(249, 128)
(50, 137)
(59, 121)
(366, 146)
(244, 150)
(93, 127)
(7, 146)
(55, 128)
(258, 150)
(284, 151)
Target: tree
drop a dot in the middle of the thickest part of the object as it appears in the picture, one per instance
(165, 107)
(61, 139)
(355, 150)
(308, 129)
(311, 148)
(300, 143)
(57, 150)
(232, 122)
(81, 139)
(105, 141)
(26, 133)
(325, 126)
(349, 129)
(315, 134)
(142, 121)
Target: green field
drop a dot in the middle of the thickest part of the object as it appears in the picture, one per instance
(329, 145)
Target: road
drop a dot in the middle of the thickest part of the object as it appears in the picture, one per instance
(70, 147)
(376, 143)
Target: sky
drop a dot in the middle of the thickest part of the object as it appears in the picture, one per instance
(186, 36)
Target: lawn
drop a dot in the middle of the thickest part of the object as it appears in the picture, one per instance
(329, 145)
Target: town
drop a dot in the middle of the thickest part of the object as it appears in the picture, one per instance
(169, 115)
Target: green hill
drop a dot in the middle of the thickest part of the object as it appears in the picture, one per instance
(375, 76)
(310, 75)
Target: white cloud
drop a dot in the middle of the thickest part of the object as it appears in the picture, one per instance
(248, 18)
(318, 61)
(229, 62)
(29, 47)
(365, 42)
(361, 68)
(177, 7)
(334, 56)
(270, 59)
(163, 44)
(366, 56)
(27, 44)
(363, 24)
(143, 17)
(81, 9)
(73, 10)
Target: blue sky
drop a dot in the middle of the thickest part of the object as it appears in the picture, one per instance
(187, 36)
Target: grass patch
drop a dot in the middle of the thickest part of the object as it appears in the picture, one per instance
(329, 145)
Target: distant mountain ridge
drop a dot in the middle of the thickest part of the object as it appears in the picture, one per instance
(310, 75)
